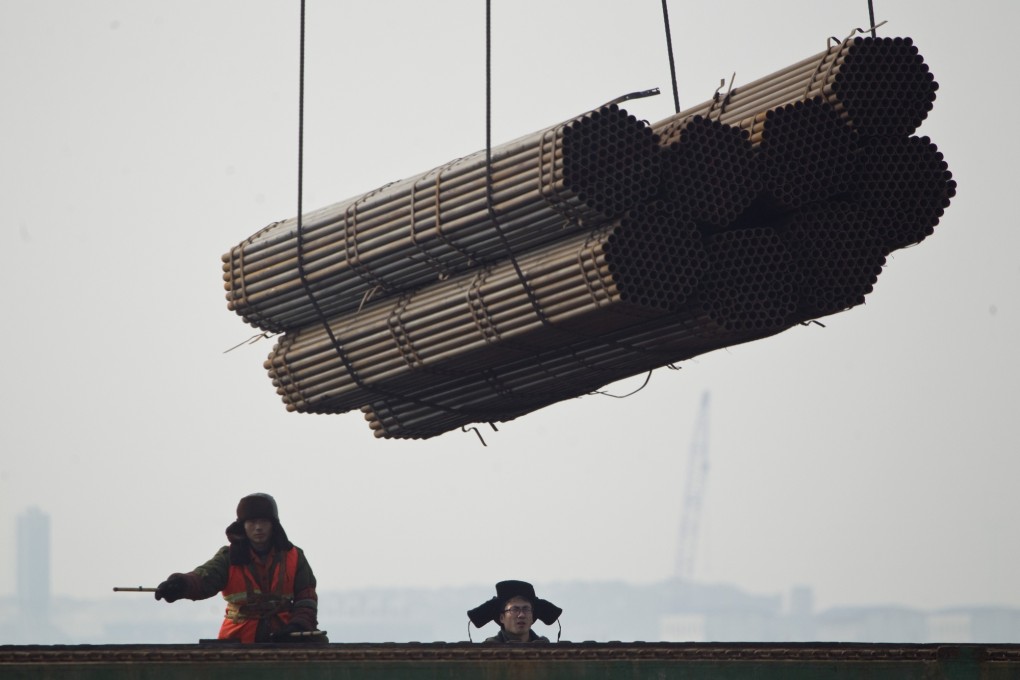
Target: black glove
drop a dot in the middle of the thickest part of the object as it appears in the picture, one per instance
(171, 589)
(284, 634)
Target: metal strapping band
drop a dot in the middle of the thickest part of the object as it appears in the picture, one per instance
(239, 291)
(238, 273)
(839, 49)
(401, 339)
(351, 254)
(250, 310)
(834, 52)
(476, 305)
(432, 261)
(730, 91)
(830, 51)
(587, 252)
(281, 371)
(682, 125)
(471, 260)
(254, 315)
(254, 237)
(715, 100)
(487, 328)
(548, 177)
(674, 129)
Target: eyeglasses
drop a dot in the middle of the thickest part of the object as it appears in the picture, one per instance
(515, 610)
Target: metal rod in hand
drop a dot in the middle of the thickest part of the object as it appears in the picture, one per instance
(136, 589)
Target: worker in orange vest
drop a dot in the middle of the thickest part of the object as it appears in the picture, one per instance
(265, 579)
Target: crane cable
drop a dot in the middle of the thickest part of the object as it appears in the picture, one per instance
(491, 209)
(488, 185)
(489, 200)
(488, 181)
(337, 345)
(669, 51)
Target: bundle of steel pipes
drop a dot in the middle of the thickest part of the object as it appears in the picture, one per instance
(599, 248)
(880, 85)
(645, 264)
(711, 170)
(806, 153)
(410, 233)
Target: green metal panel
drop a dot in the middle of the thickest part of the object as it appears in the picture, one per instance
(565, 661)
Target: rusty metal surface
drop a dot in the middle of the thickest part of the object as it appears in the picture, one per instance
(439, 651)
(564, 661)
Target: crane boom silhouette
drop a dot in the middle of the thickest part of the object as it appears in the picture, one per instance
(694, 493)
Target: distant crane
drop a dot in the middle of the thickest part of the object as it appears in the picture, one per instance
(694, 493)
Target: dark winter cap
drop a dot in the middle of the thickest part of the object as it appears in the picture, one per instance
(545, 611)
(255, 506)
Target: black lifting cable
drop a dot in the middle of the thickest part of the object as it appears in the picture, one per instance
(300, 257)
(669, 50)
(490, 207)
(489, 200)
(529, 291)
(337, 346)
(871, 16)
(300, 227)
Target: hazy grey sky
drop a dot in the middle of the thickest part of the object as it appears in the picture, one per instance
(874, 459)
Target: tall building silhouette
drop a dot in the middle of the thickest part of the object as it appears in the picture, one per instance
(33, 573)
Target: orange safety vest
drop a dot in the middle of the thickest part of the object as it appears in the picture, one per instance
(250, 599)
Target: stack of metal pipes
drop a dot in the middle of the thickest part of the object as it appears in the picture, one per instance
(599, 248)
(413, 232)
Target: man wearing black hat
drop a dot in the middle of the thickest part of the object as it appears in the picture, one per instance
(515, 608)
(266, 580)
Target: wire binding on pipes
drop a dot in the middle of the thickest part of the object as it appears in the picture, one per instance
(821, 62)
(669, 50)
(253, 339)
(528, 290)
(832, 63)
(471, 259)
(729, 94)
(488, 168)
(640, 94)
(833, 39)
(351, 254)
(648, 377)
(465, 428)
(300, 226)
(532, 298)
(722, 102)
(300, 253)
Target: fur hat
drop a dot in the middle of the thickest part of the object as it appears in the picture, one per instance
(255, 506)
(545, 611)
